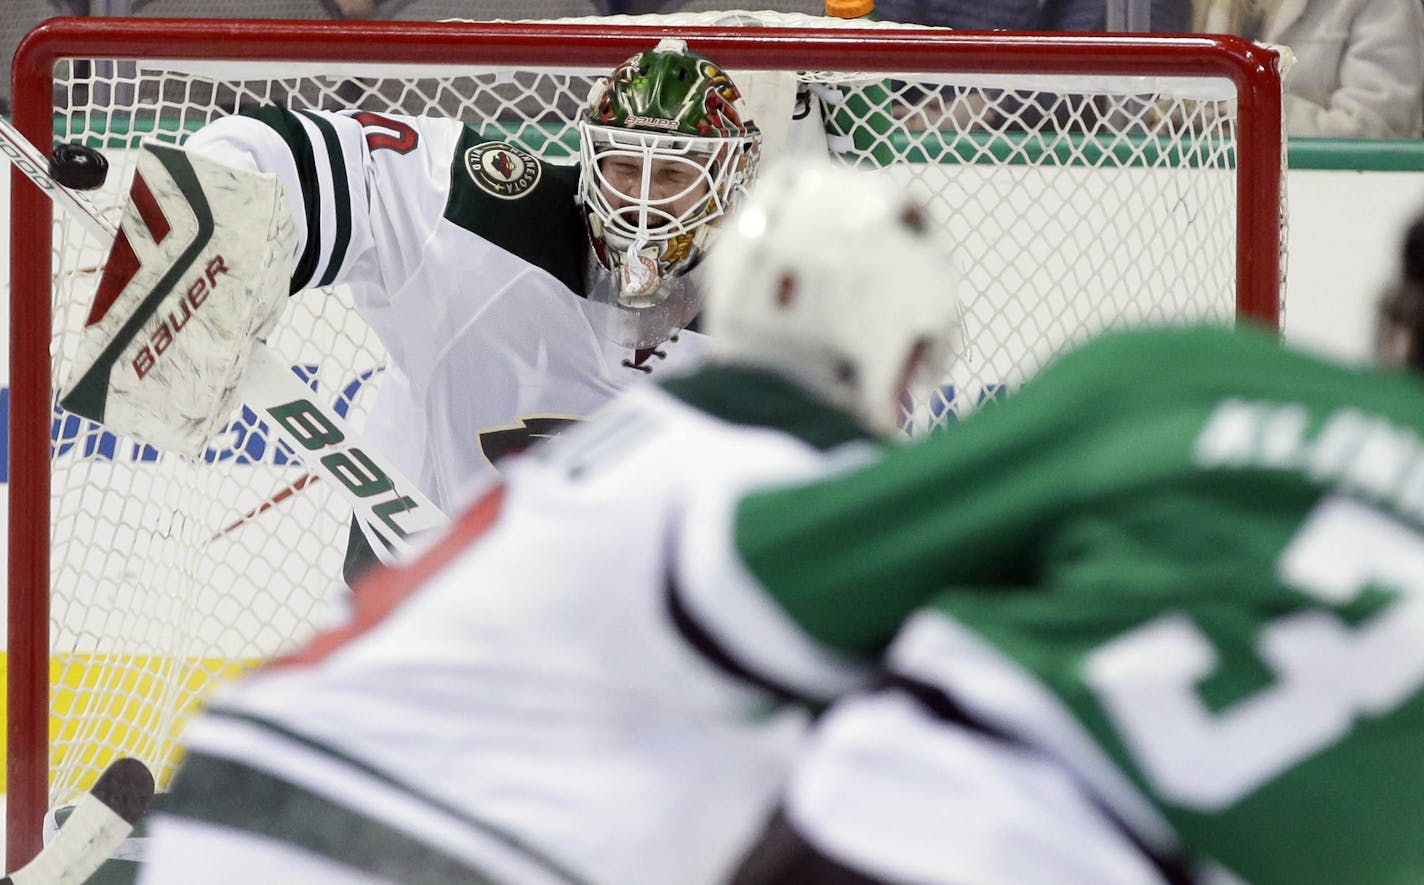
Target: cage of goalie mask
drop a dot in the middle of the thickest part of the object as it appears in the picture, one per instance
(666, 150)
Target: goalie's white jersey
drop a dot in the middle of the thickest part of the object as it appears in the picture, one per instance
(468, 258)
(532, 700)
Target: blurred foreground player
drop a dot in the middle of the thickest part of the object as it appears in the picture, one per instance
(1163, 621)
(533, 700)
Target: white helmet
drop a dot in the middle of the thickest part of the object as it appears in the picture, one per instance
(833, 277)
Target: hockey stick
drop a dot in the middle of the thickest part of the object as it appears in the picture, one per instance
(101, 821)
(380, 496)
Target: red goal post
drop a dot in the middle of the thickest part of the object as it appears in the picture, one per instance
(1148, 200)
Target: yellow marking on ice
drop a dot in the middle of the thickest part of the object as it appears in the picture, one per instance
(106, 706)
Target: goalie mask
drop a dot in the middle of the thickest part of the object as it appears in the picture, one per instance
(834, 278)
(665, 151)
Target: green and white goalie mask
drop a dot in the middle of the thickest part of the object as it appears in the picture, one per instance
(666, 151)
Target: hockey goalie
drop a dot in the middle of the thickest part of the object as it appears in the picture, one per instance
(513, 295)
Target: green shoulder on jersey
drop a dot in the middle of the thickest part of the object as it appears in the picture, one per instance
(535, 217)
(304, 154)
(1098, 445)
(1157, 475)
(536, 220)
(754, 398)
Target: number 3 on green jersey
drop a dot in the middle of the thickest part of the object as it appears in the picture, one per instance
(1327, 672)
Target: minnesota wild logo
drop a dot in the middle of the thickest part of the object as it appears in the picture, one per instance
(502, 169)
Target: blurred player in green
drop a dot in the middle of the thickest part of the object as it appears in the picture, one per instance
(1157, 617)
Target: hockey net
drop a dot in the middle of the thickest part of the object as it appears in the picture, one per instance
(1090, 182)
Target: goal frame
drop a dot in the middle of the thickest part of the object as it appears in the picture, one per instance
(1253, 69)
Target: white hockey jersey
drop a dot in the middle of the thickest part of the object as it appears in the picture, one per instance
(468, 258)
(532, 700)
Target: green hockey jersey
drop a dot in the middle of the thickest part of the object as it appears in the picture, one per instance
(1188, 563)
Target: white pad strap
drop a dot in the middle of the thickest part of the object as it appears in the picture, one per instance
(201, 267)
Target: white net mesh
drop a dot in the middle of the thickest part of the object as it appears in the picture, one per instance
(1080, 202)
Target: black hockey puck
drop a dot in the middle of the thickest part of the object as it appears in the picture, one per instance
(77, 166)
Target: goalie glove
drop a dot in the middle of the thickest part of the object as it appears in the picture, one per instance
(200, 269)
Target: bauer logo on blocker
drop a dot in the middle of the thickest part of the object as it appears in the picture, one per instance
(502, 169)
(171, 325)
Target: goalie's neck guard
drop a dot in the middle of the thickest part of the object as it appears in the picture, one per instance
(678, 300)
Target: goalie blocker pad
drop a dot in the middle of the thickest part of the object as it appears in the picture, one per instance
(200, 268)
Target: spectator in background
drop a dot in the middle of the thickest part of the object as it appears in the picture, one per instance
(1166, 16)
(20, 16)
(1359, 64)
(485, 10)
(356, 9)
